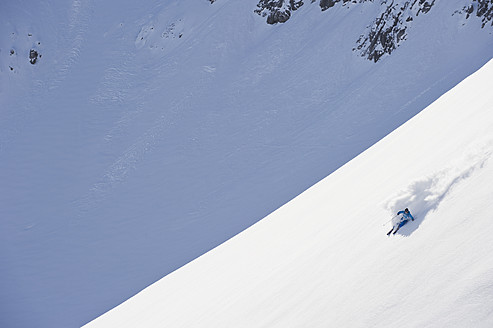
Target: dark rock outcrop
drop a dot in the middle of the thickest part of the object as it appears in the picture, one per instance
(388, 30)
(326, 4)
(277, 11)
(483, 9)
(33, 56)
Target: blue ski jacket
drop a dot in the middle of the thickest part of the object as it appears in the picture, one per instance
(405, 216)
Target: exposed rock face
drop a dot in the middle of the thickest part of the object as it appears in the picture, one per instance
(388, 30)
(326, 4)
(277, 11)
(483, 9)
(33, 56)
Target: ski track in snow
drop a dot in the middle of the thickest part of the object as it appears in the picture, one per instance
(321, 250)
(78, 23)
(252, 107)
(131, 156)
(125, 163)
(425, 195)
(116, 88)
(427, 90)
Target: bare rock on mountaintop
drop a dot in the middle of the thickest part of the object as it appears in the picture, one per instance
(388, 30)
(386, 33)
(383, 35)
(33, 56)
(483, 9)
(326, 4)
(277, 11)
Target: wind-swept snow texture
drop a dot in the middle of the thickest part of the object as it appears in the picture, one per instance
(323, 259)
(148, 132)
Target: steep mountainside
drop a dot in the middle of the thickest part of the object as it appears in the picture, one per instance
(388, 29)
(135, 136)
(323, 259)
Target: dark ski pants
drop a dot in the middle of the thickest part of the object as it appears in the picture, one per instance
(402, 223)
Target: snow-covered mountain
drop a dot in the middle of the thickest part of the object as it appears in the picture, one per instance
(137, 136)
(324, 260)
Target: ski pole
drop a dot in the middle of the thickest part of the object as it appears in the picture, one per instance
(390, 220)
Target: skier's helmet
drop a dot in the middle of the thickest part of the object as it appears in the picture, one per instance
(406, 210)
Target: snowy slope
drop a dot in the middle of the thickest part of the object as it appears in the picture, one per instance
(149, 132)
(323, 259)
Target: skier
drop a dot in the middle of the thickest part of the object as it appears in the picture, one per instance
(405, 217)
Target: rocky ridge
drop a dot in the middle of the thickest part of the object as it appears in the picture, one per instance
(277, 11)
(385, 34)
(387, 31)
(483, 9)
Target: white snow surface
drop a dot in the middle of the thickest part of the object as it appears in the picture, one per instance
(324, 260)
(150, 132)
